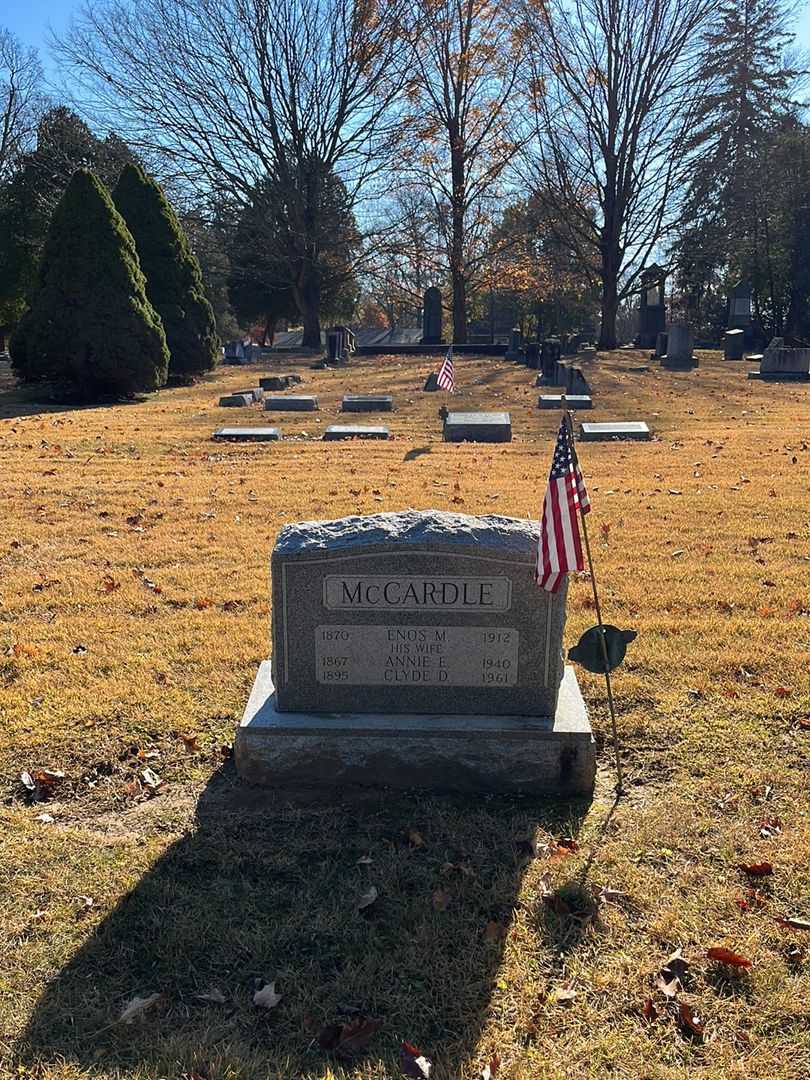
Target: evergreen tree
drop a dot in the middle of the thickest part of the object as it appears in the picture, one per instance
(747, 103)
(64, 144)
(90, 328)
(174, 282)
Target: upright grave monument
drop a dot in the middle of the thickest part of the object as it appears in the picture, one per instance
(680, 350)
(414, 649)
(432, 317)
(781, 363)
(652, 310)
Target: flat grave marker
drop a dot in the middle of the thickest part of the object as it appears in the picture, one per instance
(622, 429)
(360, 403)
(336, 432)
(293, 403)
(247, 434)
(565, 401)
(279, 382)
(234, 401)
(478, 427)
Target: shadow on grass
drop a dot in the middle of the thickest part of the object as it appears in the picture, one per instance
(18, 400)
(417, 452)
(265, 887)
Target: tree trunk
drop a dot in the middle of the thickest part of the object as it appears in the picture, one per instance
(610, 252)
(610, 302)
(457, 275)
(308, 299)
(459, 307)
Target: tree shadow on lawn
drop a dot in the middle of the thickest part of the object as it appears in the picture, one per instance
(266, 886)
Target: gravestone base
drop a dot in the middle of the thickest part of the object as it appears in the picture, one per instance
(539, 756)
(778, 376)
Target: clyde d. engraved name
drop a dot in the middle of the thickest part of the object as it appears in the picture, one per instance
(416, 655)
(381, 592)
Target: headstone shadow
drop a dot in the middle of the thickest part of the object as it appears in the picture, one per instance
(266, 886)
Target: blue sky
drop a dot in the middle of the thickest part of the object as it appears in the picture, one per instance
(30, 20)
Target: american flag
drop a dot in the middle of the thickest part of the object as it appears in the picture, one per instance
(446, 378)
(560, 548)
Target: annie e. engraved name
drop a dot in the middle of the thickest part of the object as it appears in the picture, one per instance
(421, 655)
(424, 593)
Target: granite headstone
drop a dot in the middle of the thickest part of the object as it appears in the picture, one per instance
(432, 317)
(414, 649)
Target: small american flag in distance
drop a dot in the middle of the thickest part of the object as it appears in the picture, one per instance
(560, 547)
(446, 378)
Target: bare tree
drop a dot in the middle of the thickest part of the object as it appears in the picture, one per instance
(401, 255)
(616, 88)
(21, 99)
(465, 57)
(234, 91)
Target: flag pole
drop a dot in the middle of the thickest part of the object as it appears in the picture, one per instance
(582, 517)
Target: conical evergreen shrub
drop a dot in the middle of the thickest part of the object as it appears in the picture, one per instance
(89, 327)
(174, 282)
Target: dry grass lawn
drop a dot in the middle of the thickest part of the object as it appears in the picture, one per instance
(133, 612)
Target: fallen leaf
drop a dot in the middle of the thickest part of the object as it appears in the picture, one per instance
(367, 898)
(670, 977)
(649, 1011)
(491, 1068)
(762, 869)
(770, 827)
(413, 1063)
(266, 997)
(441, 900)
(191, 742)
(726, 956)
(151, 779)
(415, 839)
(137, 1007)
(690, 1023)
(347, 1040)
(564, 995)
(86, 903)
(213, 995)
(611, 896)
(203, 602)
(668, 987)
(793, 924)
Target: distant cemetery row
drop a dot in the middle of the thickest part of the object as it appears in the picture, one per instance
(486, 156)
